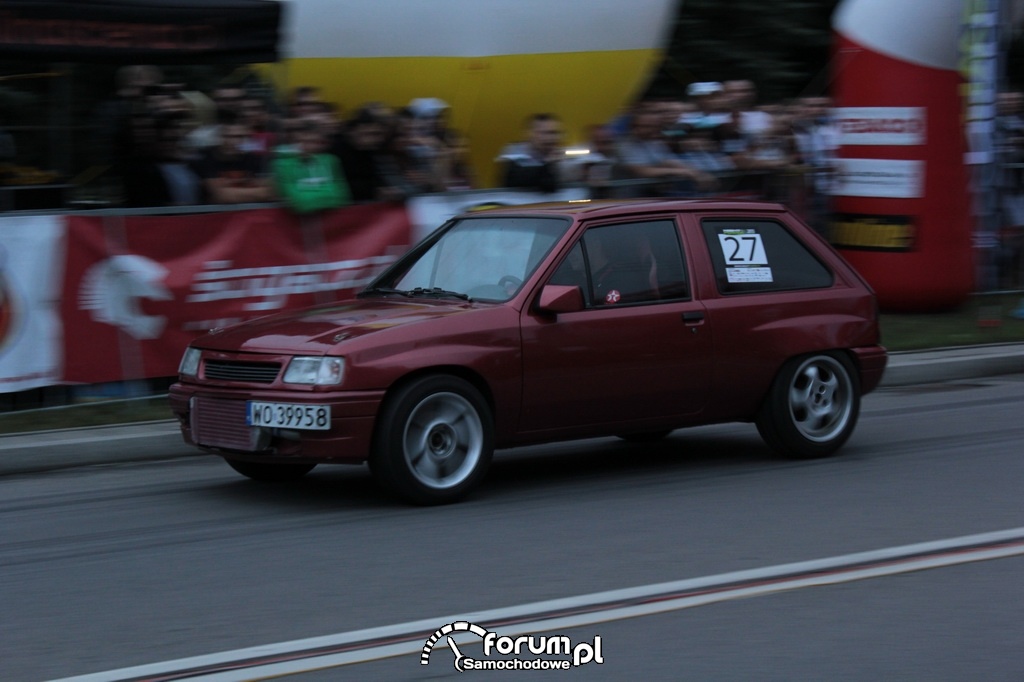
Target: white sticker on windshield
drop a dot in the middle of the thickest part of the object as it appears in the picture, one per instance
(745, 257)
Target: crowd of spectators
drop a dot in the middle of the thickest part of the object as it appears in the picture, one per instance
(717, 140)
(172, 146)
(164, 144)
(169, 145)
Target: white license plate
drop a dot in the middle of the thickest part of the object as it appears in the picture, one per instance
(288, 416)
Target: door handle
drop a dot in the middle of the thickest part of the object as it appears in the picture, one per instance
(693, 316)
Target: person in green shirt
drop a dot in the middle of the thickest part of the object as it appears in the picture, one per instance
(308, 178)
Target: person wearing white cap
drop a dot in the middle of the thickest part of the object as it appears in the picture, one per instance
(704, 88)
(707, 96)
(427, 107)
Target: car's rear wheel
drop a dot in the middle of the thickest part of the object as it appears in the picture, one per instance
(270, 472)
(434, 440)
(812, 406)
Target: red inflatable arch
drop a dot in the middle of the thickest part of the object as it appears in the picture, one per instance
(902, 203)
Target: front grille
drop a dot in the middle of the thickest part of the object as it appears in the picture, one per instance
(235, 370)
(221, 424)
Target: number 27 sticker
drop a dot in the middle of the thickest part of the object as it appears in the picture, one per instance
(742, 247)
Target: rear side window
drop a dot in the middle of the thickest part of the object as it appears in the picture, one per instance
(640, 262)
(761, 255)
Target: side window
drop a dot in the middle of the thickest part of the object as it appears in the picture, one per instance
(627, 263)
(761, 255)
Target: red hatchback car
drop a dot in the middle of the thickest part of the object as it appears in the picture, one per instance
(542, 323)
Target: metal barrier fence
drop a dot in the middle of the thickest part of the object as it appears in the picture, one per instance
(792, 187)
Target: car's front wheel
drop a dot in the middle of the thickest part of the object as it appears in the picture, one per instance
(812, 406)
(434, 440)
(270, 472)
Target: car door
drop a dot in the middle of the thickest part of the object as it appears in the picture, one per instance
(771, 298)
(639, 350)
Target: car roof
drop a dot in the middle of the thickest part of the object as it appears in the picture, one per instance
(613, 207)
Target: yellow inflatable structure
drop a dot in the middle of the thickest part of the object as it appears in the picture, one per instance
(494, 62)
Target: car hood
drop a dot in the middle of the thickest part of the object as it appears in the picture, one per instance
(320, 329)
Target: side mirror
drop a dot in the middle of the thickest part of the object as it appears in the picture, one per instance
(556, 298)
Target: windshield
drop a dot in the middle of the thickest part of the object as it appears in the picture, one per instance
(484, 258)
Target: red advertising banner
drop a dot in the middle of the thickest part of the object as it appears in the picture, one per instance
(137, 289)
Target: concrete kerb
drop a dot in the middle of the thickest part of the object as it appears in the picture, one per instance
(22, 453)
(949, 364)
(156, 440)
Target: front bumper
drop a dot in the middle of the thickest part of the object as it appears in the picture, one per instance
(213, 419)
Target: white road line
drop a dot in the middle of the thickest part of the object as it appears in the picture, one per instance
(548, 616)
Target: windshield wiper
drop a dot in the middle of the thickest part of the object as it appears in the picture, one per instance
(439, 292)
(383, 290)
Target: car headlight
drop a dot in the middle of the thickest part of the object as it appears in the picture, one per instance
(189, 365)
(315, 371)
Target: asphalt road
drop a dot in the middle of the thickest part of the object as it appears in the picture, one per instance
(107, 567)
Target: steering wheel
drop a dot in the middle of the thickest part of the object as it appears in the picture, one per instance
(510, 283)
(501, 291)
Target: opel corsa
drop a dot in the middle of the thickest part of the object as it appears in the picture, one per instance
(546, 323)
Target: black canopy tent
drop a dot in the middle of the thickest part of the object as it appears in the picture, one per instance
(140, 31)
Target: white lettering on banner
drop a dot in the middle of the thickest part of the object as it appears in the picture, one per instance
(274, 284)
(885, 178)
(113, 290)
(887, 126)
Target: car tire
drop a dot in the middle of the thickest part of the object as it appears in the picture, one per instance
(812, 406)
(434, 440)
(270, 472)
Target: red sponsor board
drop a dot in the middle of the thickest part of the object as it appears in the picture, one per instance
(137, 289)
